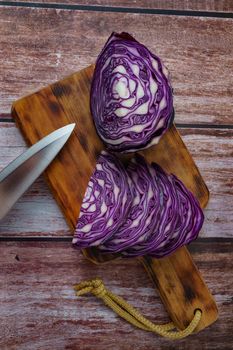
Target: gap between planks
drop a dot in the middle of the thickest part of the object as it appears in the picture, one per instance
(6, 118)
(96, 8)
(204, 5)
(206, 240)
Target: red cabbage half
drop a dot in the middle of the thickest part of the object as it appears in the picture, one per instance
(106, 202)
(131, 96)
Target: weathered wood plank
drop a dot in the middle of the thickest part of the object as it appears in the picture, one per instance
(198, 5)
(210, 148)
(39, 309)
(39, 46)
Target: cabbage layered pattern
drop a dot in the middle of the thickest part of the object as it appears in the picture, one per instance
(131, 96)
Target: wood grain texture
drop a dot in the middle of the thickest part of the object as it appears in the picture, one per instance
(39, 309)
(199, 5)
(37, 214)
(185, 290)
(197, 51)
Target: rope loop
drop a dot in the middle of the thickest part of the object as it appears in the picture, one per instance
(130, 314)
(95, 286)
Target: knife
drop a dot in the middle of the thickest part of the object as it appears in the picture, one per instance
(18, 176)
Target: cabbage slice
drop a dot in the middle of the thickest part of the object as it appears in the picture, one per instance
(106, 202)
(143, 214)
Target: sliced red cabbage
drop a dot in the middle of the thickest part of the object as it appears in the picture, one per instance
(106, 203)
(144, 211)
(191, 219)
(167, 219)
(131, 95)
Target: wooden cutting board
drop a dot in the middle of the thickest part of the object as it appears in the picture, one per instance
(178, 280)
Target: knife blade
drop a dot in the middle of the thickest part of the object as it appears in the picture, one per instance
(18, 176)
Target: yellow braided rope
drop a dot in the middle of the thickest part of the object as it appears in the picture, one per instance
(130, 314)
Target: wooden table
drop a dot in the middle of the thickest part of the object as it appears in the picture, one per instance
(41, 42)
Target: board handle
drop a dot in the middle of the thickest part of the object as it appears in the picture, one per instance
(181, 288)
